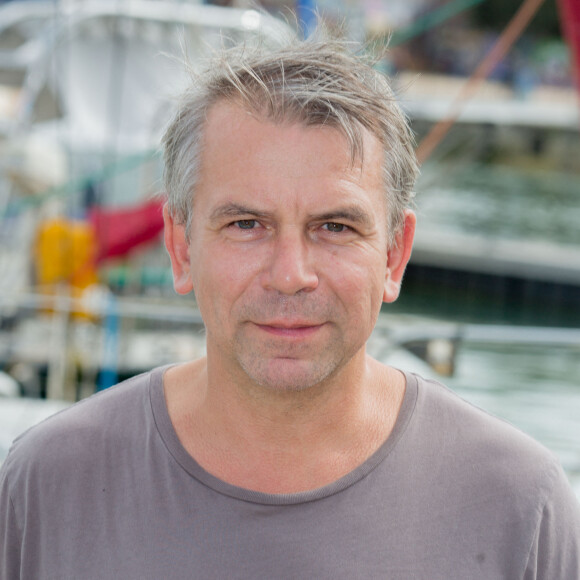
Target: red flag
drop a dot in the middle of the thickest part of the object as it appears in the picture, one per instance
(118, 231)
(570, 22)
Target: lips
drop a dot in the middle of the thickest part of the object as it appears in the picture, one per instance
(289, 329)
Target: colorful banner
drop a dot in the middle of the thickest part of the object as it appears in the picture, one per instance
(118, 231)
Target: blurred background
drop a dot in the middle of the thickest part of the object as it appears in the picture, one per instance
(491, 300)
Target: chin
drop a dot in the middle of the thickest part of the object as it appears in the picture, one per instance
(288, 375)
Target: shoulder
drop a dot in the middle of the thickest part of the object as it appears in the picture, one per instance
(444, 410)
(488, 450)
(491, 481)
(99, 410)
(81, 430)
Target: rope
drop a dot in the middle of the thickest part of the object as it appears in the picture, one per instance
(508, 37)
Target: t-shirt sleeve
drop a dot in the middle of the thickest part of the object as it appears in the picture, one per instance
(555, 550)
(9, 532)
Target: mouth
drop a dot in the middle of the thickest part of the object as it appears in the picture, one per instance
(290, 330)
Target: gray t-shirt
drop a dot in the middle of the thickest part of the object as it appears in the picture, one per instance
(105, 490)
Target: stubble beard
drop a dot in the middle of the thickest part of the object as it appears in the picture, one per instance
(298, 370)
(269, 365)
(274, 365)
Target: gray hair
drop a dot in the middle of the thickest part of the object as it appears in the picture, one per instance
(311, 82)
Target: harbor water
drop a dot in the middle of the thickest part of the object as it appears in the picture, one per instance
(535, 386)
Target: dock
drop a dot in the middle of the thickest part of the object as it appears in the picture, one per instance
(430, 97)
(525, 259)
(543, 110)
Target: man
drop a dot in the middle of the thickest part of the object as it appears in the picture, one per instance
(286, 452)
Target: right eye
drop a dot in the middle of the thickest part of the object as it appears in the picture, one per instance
(335, 227)
(245, 224)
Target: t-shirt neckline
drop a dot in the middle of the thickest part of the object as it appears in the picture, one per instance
(190, 465)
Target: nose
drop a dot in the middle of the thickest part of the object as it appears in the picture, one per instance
(290, 269)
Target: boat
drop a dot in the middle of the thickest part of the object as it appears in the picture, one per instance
(86, 88)
(64, 334)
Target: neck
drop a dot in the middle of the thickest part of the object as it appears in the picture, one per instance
(281, 442)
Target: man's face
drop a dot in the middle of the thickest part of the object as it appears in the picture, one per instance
(288, 254)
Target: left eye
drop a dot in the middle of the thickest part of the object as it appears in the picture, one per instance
(334, 227)
(246, 224)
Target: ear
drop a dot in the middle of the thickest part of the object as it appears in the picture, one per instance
(398, 257)
(178, 248)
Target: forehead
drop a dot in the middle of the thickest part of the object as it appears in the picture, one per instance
(244, 152)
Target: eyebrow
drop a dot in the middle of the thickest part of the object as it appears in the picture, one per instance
(231, 210)
(353, 214)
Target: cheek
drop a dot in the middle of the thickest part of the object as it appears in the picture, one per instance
(360, 275)
(221, 276)
(359, 290)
